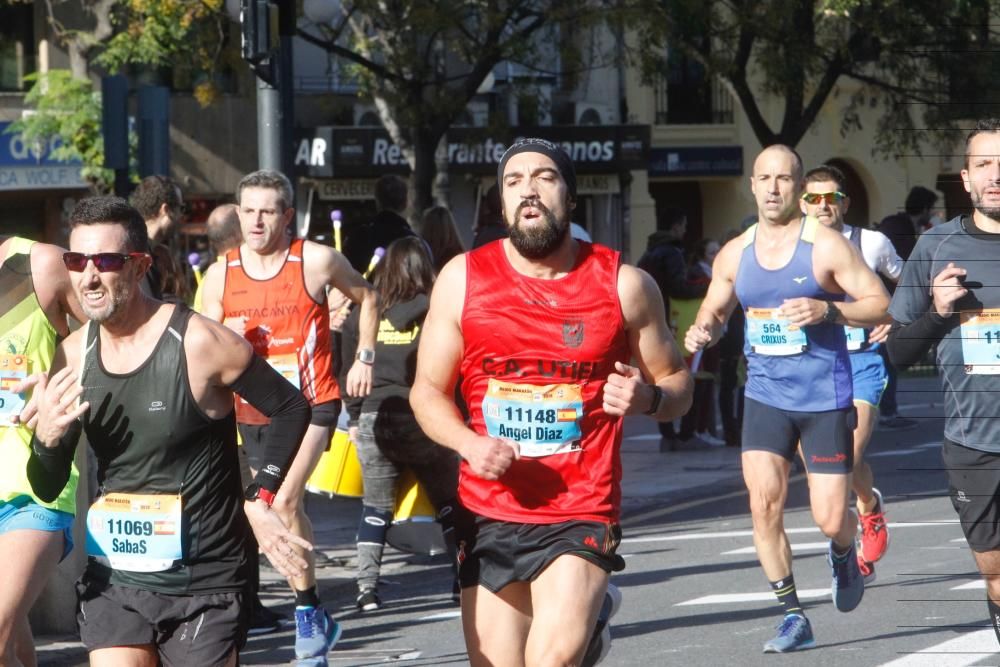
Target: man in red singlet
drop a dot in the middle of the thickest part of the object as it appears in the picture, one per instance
(272, 290)
(541, 329)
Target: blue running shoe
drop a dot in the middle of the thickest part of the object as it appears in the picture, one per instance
(315, 633)
(794, 634)
(848, 585)
(600, 639)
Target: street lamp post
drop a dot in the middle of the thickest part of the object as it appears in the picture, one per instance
(270, 56)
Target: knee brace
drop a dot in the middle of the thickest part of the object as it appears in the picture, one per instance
(374, 522)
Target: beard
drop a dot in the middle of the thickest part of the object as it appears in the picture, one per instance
(993, 213)
(116, 302)
(540, 240)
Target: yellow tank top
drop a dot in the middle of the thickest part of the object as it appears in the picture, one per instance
(25, 331)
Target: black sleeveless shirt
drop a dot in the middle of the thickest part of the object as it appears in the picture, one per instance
(150, 437)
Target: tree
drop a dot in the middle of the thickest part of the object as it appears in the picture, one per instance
(422, 62)
(111, 36)
(905, 53)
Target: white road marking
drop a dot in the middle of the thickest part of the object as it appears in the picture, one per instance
(966, 649)
(728, 598)
(749, 533)
(976, 585)
(802, 546)
(441, 616)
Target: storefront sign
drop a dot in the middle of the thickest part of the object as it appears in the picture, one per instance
(26, 166)
(598, 184)
(346, 188)
(351, 152)
(689, 161)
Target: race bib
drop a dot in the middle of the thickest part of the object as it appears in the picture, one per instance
(980, 330)
(543, 420)
(13, 369)
(135, 533)
(772, 335)
(288, 365)
(857, 338)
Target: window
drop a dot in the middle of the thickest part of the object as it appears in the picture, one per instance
(17, 46)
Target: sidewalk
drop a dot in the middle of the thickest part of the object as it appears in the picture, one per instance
(652, 482)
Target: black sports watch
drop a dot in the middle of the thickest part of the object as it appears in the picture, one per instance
(255, 491)
(657, 397)
(831, 314)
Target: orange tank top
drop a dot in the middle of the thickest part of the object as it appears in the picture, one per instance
(285, 325)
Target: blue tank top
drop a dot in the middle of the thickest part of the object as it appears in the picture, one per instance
(801, 370)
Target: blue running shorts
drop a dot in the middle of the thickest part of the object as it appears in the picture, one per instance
(870, 377)
(23, 513)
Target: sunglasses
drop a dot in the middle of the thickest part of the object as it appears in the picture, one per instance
(816, 197)
(103, 261)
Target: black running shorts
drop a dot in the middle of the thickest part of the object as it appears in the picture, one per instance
(827, 437)
(974, 487)
(494, 553)
(184, 629)
(253, 435)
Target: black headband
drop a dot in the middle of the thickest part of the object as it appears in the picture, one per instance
(547, 148)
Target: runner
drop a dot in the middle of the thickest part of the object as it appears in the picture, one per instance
(152, 386)
(791, 274)
(949, 295)
(35, 298)
(541, 328)
(272, 291)
(826, 200)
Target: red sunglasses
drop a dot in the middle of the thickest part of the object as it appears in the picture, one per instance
(103, 261)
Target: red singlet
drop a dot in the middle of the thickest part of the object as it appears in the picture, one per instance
(537, 355)
(285, 326)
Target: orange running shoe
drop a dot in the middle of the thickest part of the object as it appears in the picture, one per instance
(874, 531)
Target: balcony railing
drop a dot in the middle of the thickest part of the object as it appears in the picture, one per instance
(707, 102)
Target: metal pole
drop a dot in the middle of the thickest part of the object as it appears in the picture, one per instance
(268, 126)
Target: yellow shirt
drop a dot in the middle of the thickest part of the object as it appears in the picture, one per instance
(25, 332)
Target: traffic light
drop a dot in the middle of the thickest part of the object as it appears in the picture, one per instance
(255, 22)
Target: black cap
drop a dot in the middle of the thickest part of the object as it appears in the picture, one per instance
(545, 147)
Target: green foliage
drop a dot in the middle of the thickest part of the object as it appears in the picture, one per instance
(422, 62)
(69, 109)
(923, 64)
(160, 33)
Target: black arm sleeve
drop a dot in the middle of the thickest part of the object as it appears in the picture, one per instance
(265, 389)
(49, 468)
(908, 343)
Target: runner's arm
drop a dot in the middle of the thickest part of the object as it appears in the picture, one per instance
(654, 349)
(52, 447)
(55, 292)
(223, 362)
(211, 291)
(923, 315)
(852, 275)
(439, 356)
(719, 300)
(908, 343)
(339, 273)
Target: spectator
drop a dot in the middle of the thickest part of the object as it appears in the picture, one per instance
(699, 422)
(664, 261)
(383, 427)
(902, 230)
(732, 368)
(490, 225)
(437, 227)
(161, 205)
(388, 224)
